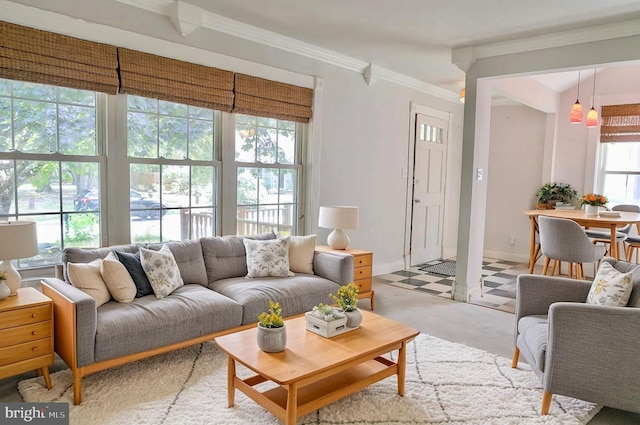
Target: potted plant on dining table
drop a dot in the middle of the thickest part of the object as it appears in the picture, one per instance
(592, 201)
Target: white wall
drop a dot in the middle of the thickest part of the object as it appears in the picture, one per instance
(516, 152)
(362, 135)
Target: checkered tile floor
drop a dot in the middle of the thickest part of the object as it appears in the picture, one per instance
(499, 277)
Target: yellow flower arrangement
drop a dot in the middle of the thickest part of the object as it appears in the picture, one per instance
(273, 318)
(347, 297)
(594, 199)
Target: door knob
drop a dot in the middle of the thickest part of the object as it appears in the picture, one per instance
(417, 201)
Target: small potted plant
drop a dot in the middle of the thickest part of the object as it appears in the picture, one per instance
(552, 193)
(347, 300)
(272, 334)
(592, 201)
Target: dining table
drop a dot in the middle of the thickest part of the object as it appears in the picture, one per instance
(608, 220)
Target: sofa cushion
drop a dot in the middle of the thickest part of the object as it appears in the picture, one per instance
(117, 279)
(296, 295)
(634, 269)
(147, 322)
(162, 270)
(87, 278)
(134, 267)
(85, 255)
(267, 258)
(225, 256)
(301, 251)
(610, 287)
(534, 333)
(188, 255)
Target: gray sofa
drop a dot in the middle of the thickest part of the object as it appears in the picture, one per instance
(216, 299)
(590, 352)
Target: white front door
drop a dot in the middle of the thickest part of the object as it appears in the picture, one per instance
(428, 188)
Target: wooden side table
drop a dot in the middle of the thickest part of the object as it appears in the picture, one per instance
(26, 334)
(362, 270)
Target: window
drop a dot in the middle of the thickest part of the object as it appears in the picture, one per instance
(268, 167)
(49, 158)
(621, 172)
(173, 171)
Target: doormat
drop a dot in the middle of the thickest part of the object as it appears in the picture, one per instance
(443, 268)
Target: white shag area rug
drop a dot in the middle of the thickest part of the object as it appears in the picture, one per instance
(447, 383)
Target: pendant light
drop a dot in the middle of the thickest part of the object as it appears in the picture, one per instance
(592, 115)
(462, 95)
(576, 110)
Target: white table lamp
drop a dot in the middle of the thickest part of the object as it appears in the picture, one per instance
(18, 239)
(338, 218)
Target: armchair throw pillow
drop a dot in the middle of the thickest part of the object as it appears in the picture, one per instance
(267, 258)
(610, 287)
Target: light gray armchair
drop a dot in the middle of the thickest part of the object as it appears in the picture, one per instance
(584, 351)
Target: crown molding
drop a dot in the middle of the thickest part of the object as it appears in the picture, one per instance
(255, 34)
(464, 57)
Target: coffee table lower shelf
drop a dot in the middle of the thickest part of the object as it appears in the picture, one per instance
(308, 398)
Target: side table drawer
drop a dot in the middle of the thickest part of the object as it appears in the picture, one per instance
(361, 273)
(25, 351)
(24, 316)
(364, 285)
(20, 334)
(362, 260)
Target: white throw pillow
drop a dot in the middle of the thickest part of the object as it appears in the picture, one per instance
(87, 278)
(610, 287)
(301, 250)
(267, 258)
(117, 278)
(162, 270)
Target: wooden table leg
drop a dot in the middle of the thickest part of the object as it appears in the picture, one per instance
(532, 245)
(45, 374)
(402, 367)
(231, 376)
(613, 246)
(292, 404)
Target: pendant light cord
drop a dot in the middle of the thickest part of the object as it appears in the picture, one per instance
(593, 94)
(578, 94)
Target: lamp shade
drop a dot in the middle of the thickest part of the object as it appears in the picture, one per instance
(18, 239)
(338, 217)
(592, 118)
(576, 113)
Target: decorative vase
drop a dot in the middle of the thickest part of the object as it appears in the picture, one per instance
(354, 318)
(4, 290)
(591, 209)
(272, 340)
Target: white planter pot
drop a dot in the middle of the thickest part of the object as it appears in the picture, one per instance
(354, 318)
(591, 209)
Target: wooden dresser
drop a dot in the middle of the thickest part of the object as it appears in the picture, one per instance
(26, 334)
(362, 270)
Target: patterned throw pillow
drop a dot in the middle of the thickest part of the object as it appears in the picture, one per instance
(610, 287)
(267, 258)
(162, 270)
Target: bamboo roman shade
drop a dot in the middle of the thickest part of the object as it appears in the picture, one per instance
(620, 123)
(257, 96)
(158, 77)
(28, 54)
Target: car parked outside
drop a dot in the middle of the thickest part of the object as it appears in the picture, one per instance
(142, 207)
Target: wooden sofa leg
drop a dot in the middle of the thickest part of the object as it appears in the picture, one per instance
(516, 356)
(77, 387)
(546, 403)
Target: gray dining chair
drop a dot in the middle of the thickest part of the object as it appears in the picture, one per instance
(562, 239)
(604, 236)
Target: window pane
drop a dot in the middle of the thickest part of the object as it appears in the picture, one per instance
(80, 184)
(5, 124)
(622, 157)
(75, 96)
(7, 173)
(142, 135)
(5, 87)
(203, 183)
(287, 186)
(142, 104)
(202, 113)
(35, 128)
(173, 137)
(171, 108)
(49, 242)
(81, 229)
(201, 140)
(245, 143)
(34, 91)
(197, 223)
(38, 187)
(286, 146)
(267, 145)
(248, 186)
(77, 126)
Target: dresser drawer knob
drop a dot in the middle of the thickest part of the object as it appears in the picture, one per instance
(33, 332)
(34, 349)
(33, 315)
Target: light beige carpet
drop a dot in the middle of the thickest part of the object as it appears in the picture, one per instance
(447, 383)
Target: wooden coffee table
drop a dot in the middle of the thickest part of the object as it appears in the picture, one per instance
(314, 371)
